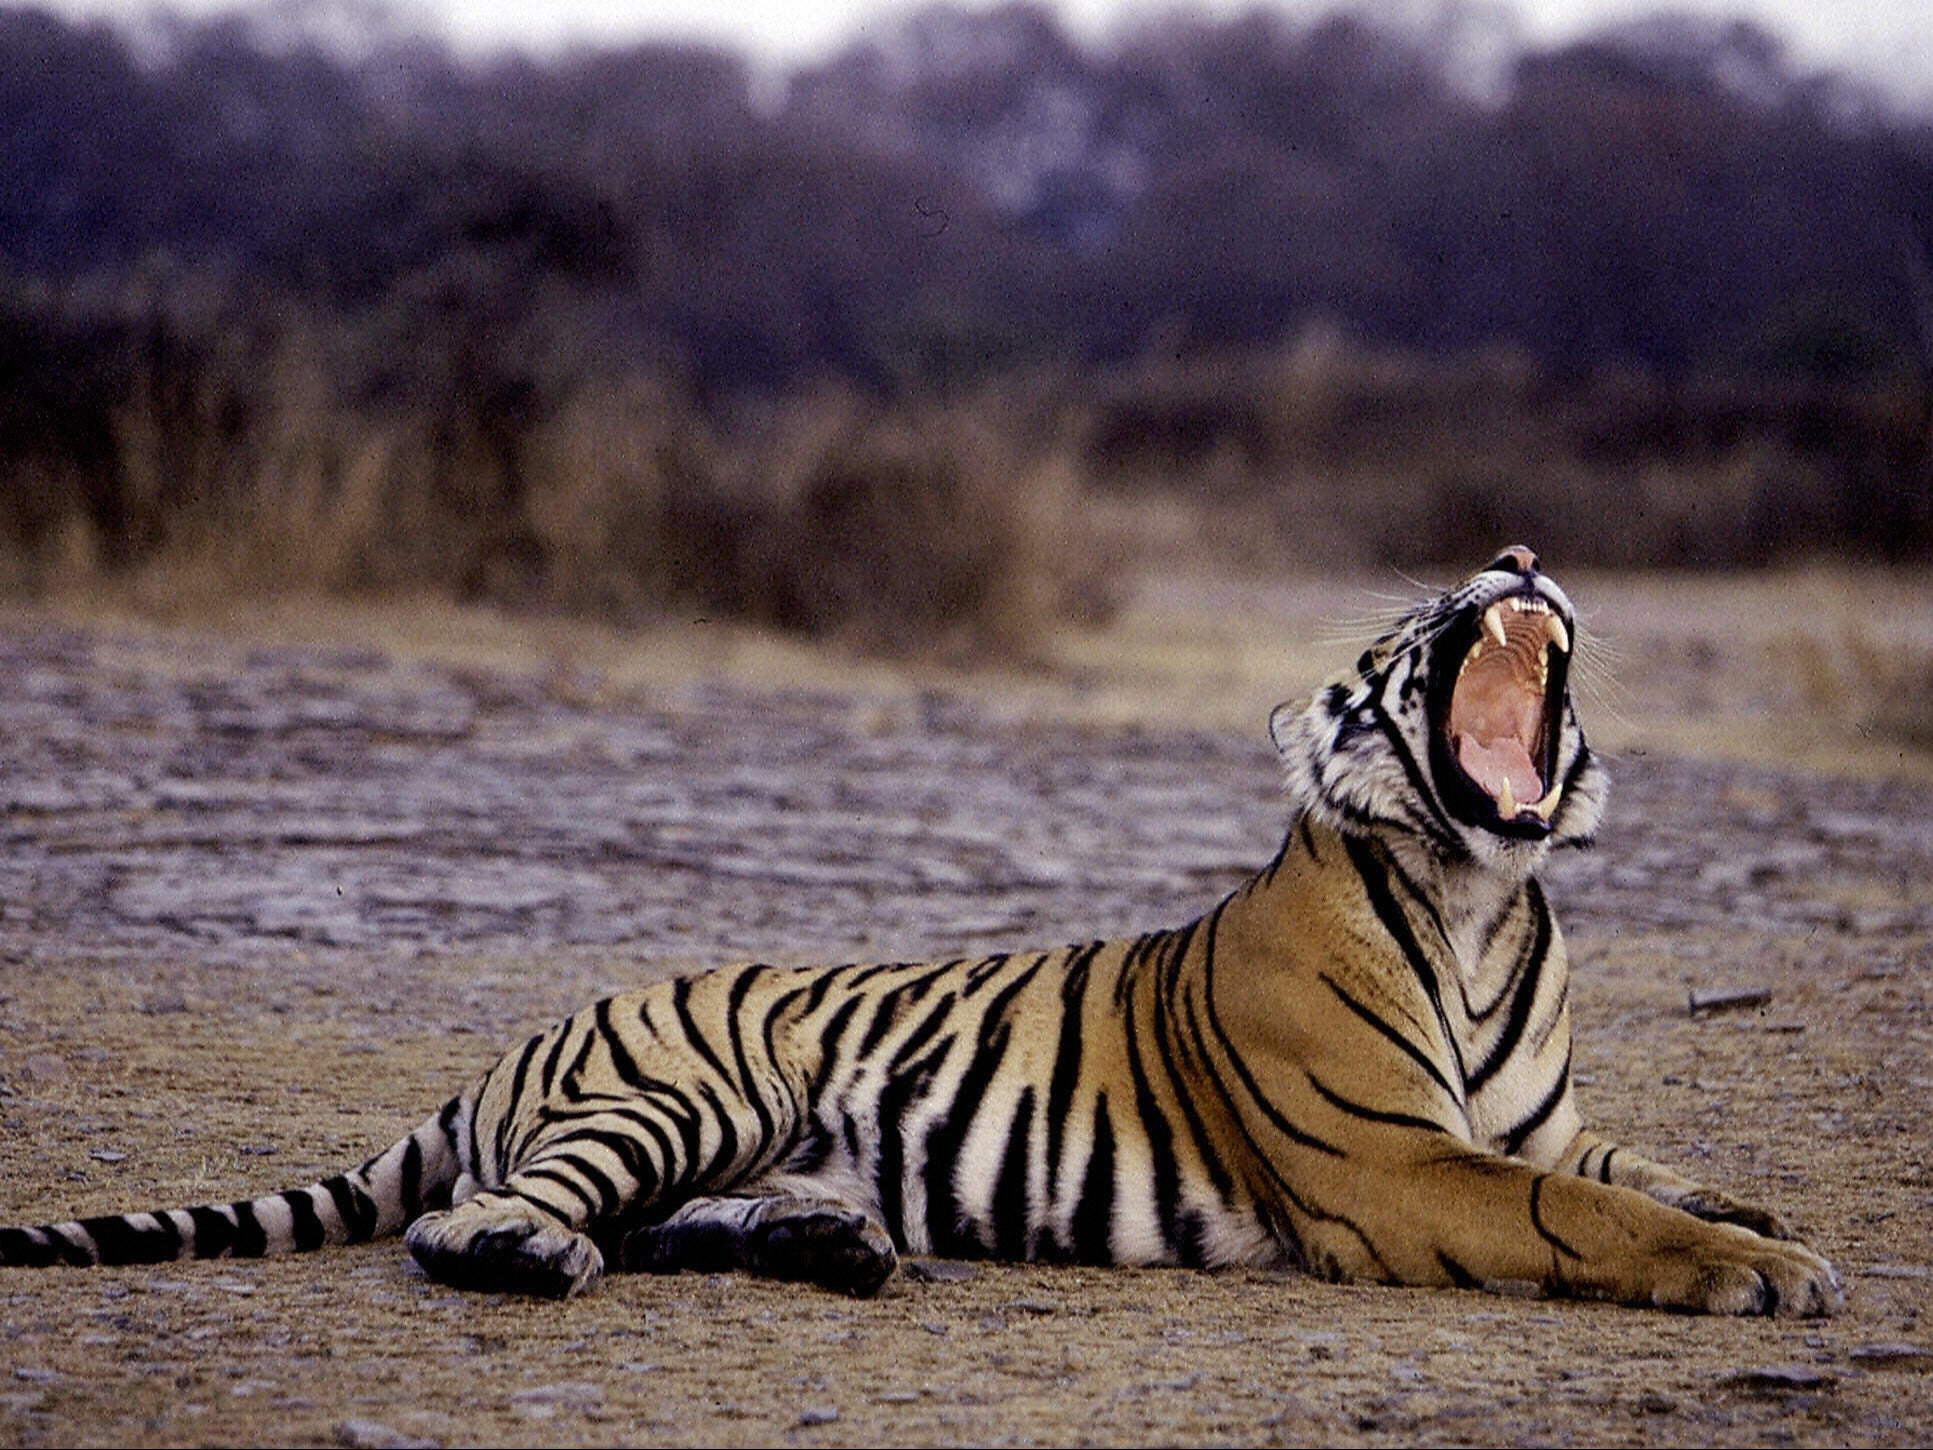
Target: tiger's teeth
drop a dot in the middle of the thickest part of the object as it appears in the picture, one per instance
(1506, 802)
(1493, 622)
(1547, 807)
(1559, 636)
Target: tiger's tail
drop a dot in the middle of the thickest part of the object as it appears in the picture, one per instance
(411, 1177)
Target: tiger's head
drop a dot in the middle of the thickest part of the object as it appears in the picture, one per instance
(1456, 727)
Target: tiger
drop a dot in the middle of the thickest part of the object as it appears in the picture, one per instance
(1357, 1063)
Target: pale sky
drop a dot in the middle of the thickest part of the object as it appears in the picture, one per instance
(1890, 40)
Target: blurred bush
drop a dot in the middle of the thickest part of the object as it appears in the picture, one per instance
(1326, 453)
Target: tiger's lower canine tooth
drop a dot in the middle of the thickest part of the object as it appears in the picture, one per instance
(1546, 807)
(1493, 621)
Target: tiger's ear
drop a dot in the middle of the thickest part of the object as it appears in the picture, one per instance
(1282, 725)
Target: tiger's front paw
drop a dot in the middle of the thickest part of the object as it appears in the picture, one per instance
(499, 1245)
(1731, 1270)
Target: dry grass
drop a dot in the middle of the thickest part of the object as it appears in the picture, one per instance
(930, 524)
(1887, 684)
(921, 525)
(1328, 454)
(210, 462)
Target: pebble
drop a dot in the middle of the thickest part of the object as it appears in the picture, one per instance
(1775, 1379)
(1703, 1001)
(1894, 1356)
(818, 1415)
(375, 1435)
(939, 1271)
(1897, 1271)
(580, 1393)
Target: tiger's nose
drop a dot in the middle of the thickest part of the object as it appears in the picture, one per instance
(1516, 560)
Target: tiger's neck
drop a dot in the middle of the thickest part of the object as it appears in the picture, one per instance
(1318, 882)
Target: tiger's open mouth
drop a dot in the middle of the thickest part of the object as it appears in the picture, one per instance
(1498, 721)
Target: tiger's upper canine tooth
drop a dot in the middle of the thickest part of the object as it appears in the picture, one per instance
(1493, 622)
(1506, 802)
(1559, 636)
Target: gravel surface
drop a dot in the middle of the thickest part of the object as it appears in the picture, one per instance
(263, 907)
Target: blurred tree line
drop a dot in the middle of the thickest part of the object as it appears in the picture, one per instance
(256, 272)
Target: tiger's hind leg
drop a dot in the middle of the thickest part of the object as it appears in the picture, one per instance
(822, 1241)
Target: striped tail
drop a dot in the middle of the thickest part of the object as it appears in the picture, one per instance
(395, 1187)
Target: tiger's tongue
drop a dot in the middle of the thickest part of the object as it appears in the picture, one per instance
(1491, 763)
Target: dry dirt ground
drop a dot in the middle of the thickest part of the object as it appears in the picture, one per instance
(273, 886)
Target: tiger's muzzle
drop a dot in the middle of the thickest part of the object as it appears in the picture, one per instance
(1499, 702)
